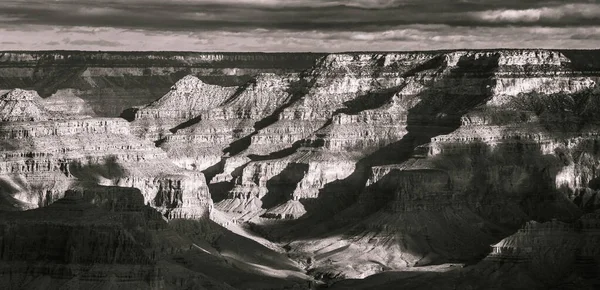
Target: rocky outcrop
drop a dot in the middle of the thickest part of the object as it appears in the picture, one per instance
(24, 106)
(540, 255)
(188, 98)
(552, 252)
(46, 152)
(94, 236)
(203, 142)
(67, 101)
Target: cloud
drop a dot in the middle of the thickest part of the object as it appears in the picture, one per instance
(300, 15)
(408, 37)
(565, 14)
(94, 43)
(315, 25)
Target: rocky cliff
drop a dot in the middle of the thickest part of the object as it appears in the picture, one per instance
(45, 152)
(110, 82)
(400, 159)
(359, 164)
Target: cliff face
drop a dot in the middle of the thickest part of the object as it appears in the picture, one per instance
(406, 155)
(46, 152)
(110, 82)
(362, 163)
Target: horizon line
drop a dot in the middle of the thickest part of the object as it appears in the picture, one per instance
(287, 52)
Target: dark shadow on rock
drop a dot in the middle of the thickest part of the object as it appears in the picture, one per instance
(281, 186)
(56, 78)
(239, 145)
(92, 171)
(438, 113)
(129, 114)
(278, 154)
(219, 191)
(296, 91)
(213, 170)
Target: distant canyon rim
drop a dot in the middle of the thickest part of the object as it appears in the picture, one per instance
(461, 169)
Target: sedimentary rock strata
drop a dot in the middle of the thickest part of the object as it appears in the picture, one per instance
(361, 163)
(110, 82)
(46, 152)
(477, 143)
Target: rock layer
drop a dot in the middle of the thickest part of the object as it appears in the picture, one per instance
(110, 82)
(45, 153)
(363, 163)
(474, 141)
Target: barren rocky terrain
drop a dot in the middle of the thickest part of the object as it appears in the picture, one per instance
(408, 170)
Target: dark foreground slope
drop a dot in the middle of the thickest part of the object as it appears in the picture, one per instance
(100, 237)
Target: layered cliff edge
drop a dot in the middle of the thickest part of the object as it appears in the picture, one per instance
(45, 152)
(110, 82)
(396, 159)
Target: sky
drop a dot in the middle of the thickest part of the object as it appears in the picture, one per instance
(297, 25)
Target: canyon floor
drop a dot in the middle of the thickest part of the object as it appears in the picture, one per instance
(471, 169)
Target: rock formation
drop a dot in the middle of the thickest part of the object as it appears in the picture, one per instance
(373, 144)
(362, 163)
(110, 82)
(46, 152)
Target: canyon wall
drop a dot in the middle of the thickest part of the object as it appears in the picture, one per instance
(357, 163)
(46, 152)
(110, 82)
(404, 156)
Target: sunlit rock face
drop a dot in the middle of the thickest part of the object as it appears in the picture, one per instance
(186, 100)
(225, 129)
(477, 139)
(481, 160)
(46, 152)
(110, 82)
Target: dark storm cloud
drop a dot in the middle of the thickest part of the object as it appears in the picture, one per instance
(298, 15)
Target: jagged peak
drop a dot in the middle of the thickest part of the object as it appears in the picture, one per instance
(20, 95)
(192, 94)
(188, 82)
(20, 105)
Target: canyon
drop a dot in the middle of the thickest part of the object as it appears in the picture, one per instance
(471, 169)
